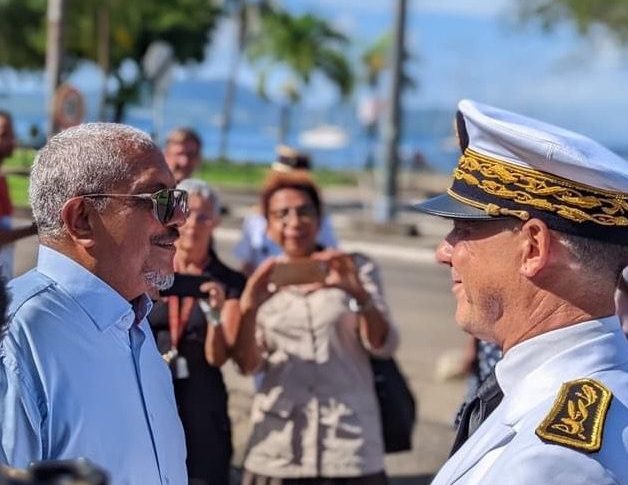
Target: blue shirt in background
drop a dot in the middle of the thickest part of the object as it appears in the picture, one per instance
(83, 378)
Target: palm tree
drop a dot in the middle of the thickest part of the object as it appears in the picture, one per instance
(244, 14)
(303, 44)
(375, 60)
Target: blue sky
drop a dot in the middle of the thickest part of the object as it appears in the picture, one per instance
(478, 49)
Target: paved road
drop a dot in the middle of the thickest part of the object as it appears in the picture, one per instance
(418, 293)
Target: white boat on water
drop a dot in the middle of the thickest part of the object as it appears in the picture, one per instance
(324, 137)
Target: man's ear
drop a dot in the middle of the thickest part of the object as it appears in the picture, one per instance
(76, 216)
(536, 244)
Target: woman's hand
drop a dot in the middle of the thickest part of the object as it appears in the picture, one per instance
(343, 274)
(216, 346)
(216, 294)
(258, 288)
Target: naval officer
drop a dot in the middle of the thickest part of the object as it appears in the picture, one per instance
(539, 241)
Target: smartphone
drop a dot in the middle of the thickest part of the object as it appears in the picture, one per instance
(298, 272)
(187, 285)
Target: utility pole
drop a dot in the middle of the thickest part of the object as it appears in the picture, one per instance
(54, 57)
(385, 207)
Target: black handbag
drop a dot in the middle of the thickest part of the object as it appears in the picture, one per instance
(397, 405)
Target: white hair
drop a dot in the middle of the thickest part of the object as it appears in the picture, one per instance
(204, 191)
(89, 158)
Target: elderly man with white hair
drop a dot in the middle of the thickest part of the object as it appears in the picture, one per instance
(83, 374)
(539, 241)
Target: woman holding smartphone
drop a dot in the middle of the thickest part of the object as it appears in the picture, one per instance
(316, 415)
(198, 334)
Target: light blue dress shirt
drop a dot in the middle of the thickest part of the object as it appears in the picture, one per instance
(82, 377)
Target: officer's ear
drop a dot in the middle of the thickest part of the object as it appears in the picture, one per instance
(77, 216)
(536, 247)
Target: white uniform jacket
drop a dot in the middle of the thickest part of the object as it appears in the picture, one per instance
(506, 450)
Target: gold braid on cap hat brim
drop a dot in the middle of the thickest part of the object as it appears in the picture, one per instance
(537, 190)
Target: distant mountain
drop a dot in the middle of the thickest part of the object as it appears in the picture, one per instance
(199, 104)
(198, 99)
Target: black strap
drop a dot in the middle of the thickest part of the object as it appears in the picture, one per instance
(486, 399)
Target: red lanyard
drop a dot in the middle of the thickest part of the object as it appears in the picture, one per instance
(179, 311)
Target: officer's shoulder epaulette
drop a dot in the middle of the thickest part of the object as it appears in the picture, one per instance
(577, 417)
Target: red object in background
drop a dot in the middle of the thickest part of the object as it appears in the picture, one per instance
(6, 208)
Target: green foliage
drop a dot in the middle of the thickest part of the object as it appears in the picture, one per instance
(185, 24)
(304, 44)
(22, 33)
(248, 175)
(222, 173)
(18, 190)
(611, 14)
(376, 59)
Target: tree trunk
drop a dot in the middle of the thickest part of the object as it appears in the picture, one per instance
(54, 56)
(227, 107)
(284, 123)
(103, 27)
(386, 200)
(119, 107)
(231, 88)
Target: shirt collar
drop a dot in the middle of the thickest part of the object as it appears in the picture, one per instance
(105, 306)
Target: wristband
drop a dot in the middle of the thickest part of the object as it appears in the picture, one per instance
(212, 315)
(356, 307)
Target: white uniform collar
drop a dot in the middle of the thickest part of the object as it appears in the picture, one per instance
(533, 370)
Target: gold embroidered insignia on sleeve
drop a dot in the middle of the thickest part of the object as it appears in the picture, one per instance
(577, 417)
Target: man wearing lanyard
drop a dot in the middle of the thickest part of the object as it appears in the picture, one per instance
(83, 374)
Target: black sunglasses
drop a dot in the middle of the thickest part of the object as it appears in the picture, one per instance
(165, 202)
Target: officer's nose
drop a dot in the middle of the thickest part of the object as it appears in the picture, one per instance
(443, 252)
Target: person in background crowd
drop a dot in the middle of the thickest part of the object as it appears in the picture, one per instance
(200, 336)
(183, 152)
(8, 234)
(83, 374)
(315, 416)
(254, 245)
(479, 361)
(539, 241)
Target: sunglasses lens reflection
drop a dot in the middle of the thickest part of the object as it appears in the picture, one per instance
(163, 204)
(167, 201)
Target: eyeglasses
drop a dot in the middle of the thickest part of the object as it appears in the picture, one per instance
(200, 217)
(304, 213)
(165, 202)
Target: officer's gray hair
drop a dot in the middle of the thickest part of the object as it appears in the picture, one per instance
(598, 259)
(204, 191)
(85, 159)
